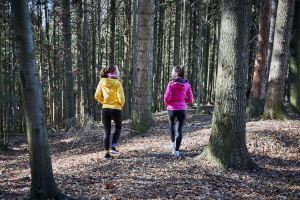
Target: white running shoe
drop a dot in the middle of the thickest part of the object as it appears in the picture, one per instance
(176, 153)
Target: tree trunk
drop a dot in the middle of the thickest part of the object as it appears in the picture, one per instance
(274, 108)
(177, 33)
(255, 106)
(69, 89)
(93, 60)
(184, 15)
(43, 184)
(274, 5)
(207, 42)
(160, 53)
(295, 62)
(199, 57)
(127, 16)
(112, 31)
(155, 65)
(212, 52)
(141, 114)
(84, 62)
(227, 146)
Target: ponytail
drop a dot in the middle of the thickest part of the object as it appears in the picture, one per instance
(180, 71)
(109, 69)
(103, 73)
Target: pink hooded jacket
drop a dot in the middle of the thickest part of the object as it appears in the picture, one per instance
(175, 96)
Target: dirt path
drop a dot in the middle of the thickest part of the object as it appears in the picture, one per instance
(146, 168)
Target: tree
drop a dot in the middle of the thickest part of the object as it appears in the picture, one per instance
(274, 108)
(227, 147)
(43, 184)
(141, 113)
(294, 71)
(112, 31)
(199, 56)
(127, 17)
(274, 5)
(177, 33)
(69, 91)
(257, 95)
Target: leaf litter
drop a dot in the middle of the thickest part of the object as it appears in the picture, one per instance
(147, 169)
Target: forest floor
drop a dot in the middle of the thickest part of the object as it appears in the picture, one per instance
(147, 169)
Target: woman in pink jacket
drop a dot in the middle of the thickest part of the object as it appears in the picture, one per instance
(177, 95)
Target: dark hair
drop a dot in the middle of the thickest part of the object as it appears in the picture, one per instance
(179, 70)
(108, 69)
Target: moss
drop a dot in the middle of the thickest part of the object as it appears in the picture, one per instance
(275, 112)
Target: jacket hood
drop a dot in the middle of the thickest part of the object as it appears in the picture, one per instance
(109, 82)
(181, 86)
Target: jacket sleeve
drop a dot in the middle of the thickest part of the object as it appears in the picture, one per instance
(168, 94)
(189, 95)
(120, 94)
(98, 93)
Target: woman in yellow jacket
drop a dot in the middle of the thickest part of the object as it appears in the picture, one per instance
(113, 100)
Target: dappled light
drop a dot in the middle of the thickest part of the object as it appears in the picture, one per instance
(147, 169)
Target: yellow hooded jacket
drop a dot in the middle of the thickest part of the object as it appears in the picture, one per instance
(113, 94)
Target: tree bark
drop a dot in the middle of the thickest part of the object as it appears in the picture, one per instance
(177, 33)
(212, 52)
(127, 17)
(141, 114)
(274, 5)
(199, 57)
(274, 108)
(155, 65)
(69, 88)
(255, 106)
(295, 62)
(112, 31)
(227, 146)
(207, 42)
(43, 184)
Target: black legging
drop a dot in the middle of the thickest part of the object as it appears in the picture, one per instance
(180, 114)
(108, 115)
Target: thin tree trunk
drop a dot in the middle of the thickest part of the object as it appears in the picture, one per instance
(42, 184)
(141, 114)
(69, 87)
(274, 108)
(199, 57)
(294, 70)
(227, 146)
(184, 13)
(50, 70)
(155, 65)
(207, 42)
(79, 56)
(274, 6)
(212, 52)
(255, 106)
(177, 33)
(93, 70)
(112, 31)
(84, 62)
(134, 42)
(127, 17)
